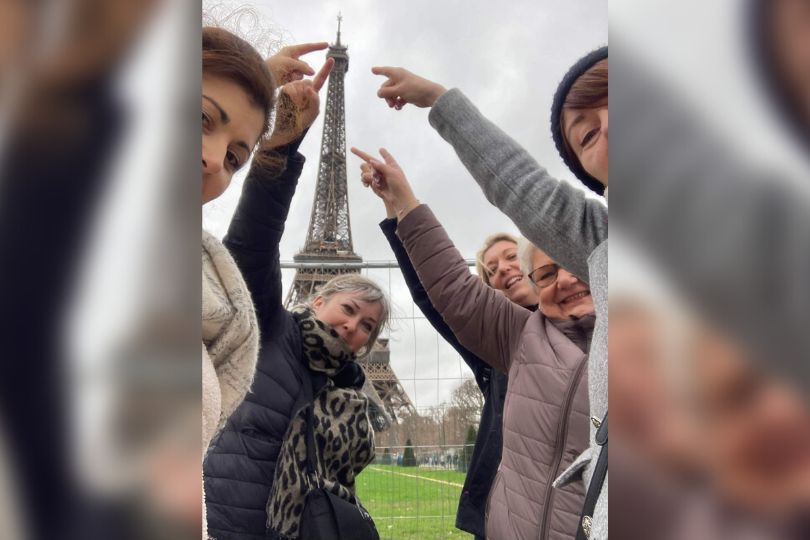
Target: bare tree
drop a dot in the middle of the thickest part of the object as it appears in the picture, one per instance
(466, 404)
(468, 398)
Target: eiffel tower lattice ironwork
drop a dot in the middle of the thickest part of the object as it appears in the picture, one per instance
(329, 237)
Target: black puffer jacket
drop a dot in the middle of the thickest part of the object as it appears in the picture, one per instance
(239, 466)
(487, 451)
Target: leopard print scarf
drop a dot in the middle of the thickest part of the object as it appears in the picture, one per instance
(344, 437)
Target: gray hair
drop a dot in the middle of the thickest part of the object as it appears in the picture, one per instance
(525, 255)
(366, 290)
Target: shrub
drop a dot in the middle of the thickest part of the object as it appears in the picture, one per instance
(410, 459)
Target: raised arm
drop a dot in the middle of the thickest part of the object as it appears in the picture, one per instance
(731, 235)
(258, 223)
(422, 301)
(483, 320)
(255, 231)
(553, 215)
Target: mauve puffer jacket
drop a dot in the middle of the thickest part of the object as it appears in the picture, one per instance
(545, 421)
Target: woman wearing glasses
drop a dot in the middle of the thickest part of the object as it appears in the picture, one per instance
(562, 295)
(544, 353)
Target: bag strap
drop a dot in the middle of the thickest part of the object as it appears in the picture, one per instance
(351, 375)
(597, 480)
(307, 399)
(311, 459)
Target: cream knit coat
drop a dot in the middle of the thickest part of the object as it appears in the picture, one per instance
(230, 339)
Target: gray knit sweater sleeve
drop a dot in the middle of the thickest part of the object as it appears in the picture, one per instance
(730, 234)
(554, 215)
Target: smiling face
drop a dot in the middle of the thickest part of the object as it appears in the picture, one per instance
(354, 319)
(503, 267)
(567, 297)
(586, 132)
(231, 127)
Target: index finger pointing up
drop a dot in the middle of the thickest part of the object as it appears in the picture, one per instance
(384, 70)
(389, 159)
(323, 74)
(362, 155)
(306, 48)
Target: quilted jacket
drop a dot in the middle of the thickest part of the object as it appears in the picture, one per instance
(545, 419)
(239, 466)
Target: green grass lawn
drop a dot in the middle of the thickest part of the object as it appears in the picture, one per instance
(411, 502)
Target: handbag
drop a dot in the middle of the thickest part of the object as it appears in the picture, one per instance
(327, 516)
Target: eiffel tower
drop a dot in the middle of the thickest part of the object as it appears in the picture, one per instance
(328, 250)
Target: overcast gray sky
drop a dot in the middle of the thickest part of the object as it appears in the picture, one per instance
(507, 57)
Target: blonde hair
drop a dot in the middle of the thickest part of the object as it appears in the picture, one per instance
(525, 254)
(491, 240)
(366, 290)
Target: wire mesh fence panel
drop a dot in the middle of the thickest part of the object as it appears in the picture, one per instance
(413, 492)
(413, 487)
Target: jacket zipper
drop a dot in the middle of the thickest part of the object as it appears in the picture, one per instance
(562, 432)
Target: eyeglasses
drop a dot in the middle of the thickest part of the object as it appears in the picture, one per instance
(544, 275)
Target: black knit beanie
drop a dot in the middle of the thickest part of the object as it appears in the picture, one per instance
(583, 65)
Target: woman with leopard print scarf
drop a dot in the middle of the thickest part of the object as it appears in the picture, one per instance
(266, 437)
(255, 483)
(343, 435)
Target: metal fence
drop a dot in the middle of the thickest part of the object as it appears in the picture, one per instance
(413, 492)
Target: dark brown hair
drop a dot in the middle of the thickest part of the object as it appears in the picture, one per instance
(590, 89)
(231, 57)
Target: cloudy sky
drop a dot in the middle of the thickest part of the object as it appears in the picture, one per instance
(506, 56)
